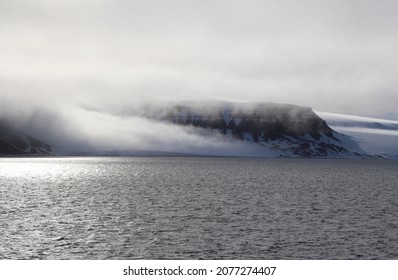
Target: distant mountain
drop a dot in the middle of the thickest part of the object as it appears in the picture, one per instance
(288, 129)
(376, 136)
(349, 121)
(260, 129)
(13, 142)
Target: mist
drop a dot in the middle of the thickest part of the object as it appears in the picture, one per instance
(376, 136)
(75, 130)
(70, 70)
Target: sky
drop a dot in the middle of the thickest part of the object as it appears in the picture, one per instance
(108, 55)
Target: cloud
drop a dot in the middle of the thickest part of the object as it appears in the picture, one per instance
(109, 56)
(374, 135)
(326, 54)
(74, 129)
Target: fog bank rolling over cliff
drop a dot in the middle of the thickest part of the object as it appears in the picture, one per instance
(73, 71)
(193, 128)
(334, 56)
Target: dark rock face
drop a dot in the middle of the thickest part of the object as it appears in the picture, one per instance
(269, 122)
(291, 129)
(13, 142)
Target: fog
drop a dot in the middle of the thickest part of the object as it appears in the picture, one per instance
(70, 70)
(73, 130)
(376, 136)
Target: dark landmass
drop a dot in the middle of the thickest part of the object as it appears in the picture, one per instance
(293, 130)
(13, 142)
(286, 130)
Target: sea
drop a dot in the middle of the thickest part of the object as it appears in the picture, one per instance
(198, 208)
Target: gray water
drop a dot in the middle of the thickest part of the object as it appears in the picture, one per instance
(198, 208)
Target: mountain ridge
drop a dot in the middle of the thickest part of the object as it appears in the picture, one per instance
(266, 129)
(293, 130)
(14, 142)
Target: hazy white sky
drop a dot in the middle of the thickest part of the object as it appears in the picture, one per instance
(332, 55)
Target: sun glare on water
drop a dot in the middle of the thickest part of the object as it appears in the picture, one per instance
(31, 167)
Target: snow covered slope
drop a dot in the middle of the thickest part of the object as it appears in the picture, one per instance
(13, 142)
(285, 129)
(223, 129)
(375, 136)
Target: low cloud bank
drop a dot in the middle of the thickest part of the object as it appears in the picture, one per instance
(72, 129)
(375, 136)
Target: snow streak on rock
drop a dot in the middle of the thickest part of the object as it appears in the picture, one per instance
(288, 129)
(13, 142)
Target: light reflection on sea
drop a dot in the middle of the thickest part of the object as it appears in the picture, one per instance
(193, 208)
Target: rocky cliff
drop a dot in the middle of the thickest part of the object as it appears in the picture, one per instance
(292, 130)
(270, 129)
(13, 142)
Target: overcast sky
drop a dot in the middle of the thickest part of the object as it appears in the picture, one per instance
(332, 55)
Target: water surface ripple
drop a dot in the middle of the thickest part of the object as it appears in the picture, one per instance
(198, 208)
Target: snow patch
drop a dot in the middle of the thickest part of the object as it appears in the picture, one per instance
(375, 136)
(227, 116)
(237, 121)
(248, 137)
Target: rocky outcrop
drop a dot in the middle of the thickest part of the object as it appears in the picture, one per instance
(13, 142)
(292, 130)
